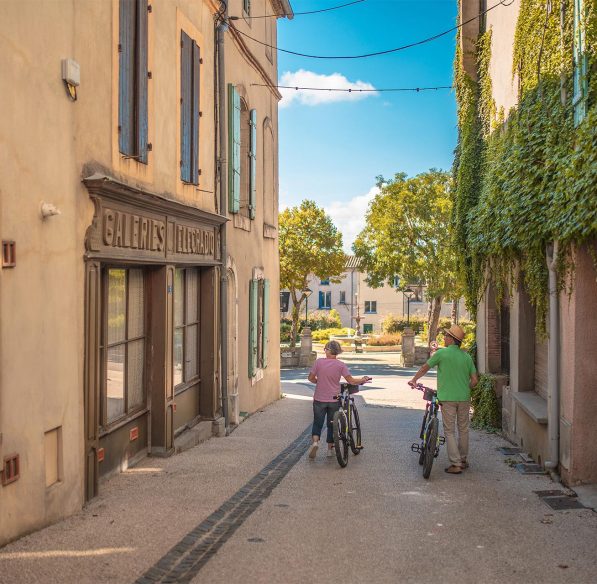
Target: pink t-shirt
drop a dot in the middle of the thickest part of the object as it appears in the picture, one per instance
(328, 373)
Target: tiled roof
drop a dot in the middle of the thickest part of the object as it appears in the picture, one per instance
(352, 262)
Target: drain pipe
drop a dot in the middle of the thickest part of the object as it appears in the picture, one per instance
(223, 183)
(553, 356)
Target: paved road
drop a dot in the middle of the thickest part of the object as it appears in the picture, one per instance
(253, 508)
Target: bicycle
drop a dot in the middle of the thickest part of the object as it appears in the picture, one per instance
(428, 449)
(346, 424)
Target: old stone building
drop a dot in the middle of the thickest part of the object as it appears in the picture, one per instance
(138, 182)
(545, 378)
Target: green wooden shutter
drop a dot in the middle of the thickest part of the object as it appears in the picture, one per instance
(186, 66)
(233, 149)
(126, 77)
(141, 79)
(253, 309)
(195, 116)
(253, 164)
(581, 81)
(265, 323)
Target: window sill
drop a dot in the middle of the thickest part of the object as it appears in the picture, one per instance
(122, 422)
(533, 404)
(242, 222)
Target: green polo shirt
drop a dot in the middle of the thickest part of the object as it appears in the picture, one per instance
(454, 370)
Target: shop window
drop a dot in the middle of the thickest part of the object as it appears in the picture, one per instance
(189, 109)
(132, 79)
(258, 324)
(186, 327)
(367, 328)
(325, 300)
(123, 345)
(370, 306)
(342, 298)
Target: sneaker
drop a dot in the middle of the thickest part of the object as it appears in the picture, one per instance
(330, 453)
(313, 449)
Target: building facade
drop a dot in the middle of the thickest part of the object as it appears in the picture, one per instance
(354, 299)
(119, 236)
(544, 380)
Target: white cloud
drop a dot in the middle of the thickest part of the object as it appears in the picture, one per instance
(302, 78)
(349, 216)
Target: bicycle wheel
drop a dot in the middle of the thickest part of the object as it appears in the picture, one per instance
(430, 446)
(355, 430)
(341, 437)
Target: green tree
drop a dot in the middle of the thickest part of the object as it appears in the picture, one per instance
(407, 234)
(309, 244)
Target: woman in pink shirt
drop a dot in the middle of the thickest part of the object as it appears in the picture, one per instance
(326, 374)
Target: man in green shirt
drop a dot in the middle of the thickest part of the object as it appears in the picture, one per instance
(456, 374)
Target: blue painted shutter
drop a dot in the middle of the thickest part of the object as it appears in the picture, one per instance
(233, 149)
(581, 82)
(253, 164)
(265, 324)
(126, 77)
(186, 56)
(195, 115)
(141, 75)
(321, 300)
(253, 308)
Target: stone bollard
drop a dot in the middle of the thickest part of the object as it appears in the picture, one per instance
(408, 348)
(306, 347)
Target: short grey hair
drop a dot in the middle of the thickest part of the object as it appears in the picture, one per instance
(333, 347)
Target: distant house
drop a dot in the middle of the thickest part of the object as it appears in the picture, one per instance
(354, 299)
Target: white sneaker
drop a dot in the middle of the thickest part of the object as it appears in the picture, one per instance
(313, 449)
(330, 453)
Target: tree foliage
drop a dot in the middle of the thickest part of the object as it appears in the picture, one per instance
(309, 244)
(407, 234)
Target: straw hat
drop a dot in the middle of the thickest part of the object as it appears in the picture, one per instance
(455, 332)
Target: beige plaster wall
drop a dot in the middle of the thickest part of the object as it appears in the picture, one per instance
(249, 250)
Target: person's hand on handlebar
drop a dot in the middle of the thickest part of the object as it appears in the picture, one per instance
(365, 379)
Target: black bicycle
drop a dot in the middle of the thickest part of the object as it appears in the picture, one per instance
(346, 424)
(428, 449)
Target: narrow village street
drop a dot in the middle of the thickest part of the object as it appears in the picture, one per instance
(253, 508)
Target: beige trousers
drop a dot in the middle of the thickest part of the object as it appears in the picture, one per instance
(456, 414)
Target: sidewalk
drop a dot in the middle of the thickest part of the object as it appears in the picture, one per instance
(283, 518)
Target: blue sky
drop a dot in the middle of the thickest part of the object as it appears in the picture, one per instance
(331, 151)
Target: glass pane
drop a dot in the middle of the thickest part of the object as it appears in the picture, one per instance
(190, 369)
(178, 356)
(116, 305)
(135, 362)
(192, 295)
(178, 298)
(115, 383)
(136, 297)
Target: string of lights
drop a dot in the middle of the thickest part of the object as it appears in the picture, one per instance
(297, 13)
(352, 90)
(377, 53)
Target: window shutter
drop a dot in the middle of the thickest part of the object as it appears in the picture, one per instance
(233, 149)
(126, 78)
(195, 130)
(253, 164)
(321, 300)
(581, 82)
(141, 74)
(253, 306)
(186, 55)
(265, 327)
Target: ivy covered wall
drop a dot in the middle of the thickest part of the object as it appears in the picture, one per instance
(527, 177)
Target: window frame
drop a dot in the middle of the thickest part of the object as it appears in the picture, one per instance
(342, 299)
(372, 307)
(327, 300)
(105, 425)
(259, 300)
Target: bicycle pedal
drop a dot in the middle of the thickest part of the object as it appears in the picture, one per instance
(415, 447)
(442, 440)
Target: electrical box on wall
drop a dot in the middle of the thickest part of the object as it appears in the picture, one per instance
(71, 72)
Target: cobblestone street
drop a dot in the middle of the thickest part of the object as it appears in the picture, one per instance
(253, 508)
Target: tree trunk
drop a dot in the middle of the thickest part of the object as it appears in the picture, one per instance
(429, 309)
(296, 308)
(434, 322)
(454, 311)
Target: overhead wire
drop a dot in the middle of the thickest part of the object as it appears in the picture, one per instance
(298, 13)
(352, 90)
(377, 53)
